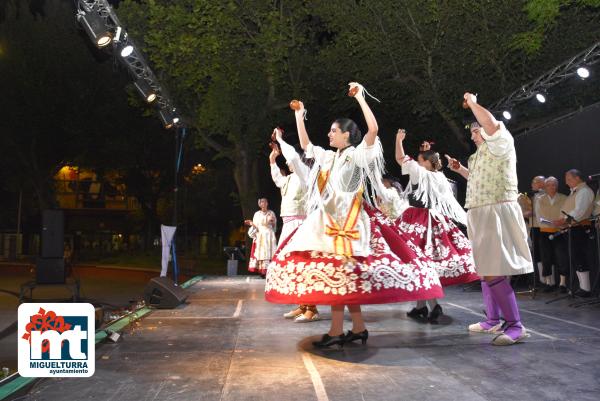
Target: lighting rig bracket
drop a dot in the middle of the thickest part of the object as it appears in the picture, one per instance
(98, 17)
(541, 84)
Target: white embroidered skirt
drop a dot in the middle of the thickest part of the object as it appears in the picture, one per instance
(499, 239)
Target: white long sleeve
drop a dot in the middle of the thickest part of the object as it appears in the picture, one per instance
(279, 179)
(499, 143)
(293, 158)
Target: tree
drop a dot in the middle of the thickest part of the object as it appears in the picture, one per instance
(545, 16)
(423, 55)
(231, 66)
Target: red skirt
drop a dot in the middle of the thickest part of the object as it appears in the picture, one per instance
(448, 249)
(255, 265)
(394, 272)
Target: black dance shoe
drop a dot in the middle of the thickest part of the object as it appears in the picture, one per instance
(550, 288)
(328, 341)
(583, 293)
(562, 289)
(418, 313)
(436, 312)
(362, 336)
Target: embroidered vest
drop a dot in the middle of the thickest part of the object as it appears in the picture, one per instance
(491, 179)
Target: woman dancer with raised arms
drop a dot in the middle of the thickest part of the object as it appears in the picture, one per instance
(342, 255)
(428, 223)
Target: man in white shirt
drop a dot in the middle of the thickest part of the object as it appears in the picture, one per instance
(577, 211)
(495, 224)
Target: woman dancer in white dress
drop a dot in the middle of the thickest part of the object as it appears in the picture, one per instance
(429, 222)
(293, 189)
(342, 255)
(262, 231)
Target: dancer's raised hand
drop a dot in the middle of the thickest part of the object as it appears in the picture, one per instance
(357, 89)
(273, 155)
(470, 98)
(453, 164)
(299, 110)
(425, 146)
(277, 134)
(401, 134)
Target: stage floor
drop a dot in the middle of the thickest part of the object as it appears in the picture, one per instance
(228, 343)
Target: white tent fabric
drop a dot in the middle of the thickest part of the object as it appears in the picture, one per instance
(166, 233)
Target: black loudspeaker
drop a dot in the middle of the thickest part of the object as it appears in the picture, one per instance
(53, 233)
(162, 293)
(50, 271)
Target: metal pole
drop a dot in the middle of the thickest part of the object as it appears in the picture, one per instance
(19, 213)
(18, 241)
(175, 200)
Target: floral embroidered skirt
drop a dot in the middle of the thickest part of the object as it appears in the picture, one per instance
(441, 241)
(394, 272)
(263, 247)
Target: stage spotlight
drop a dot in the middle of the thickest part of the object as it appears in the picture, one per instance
(167, 118)
(145, 90)
(583, 72)
(540, 97)
(506, 114)
(96, 29)
(126, 51)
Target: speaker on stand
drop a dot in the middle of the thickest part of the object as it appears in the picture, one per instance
(50, 266)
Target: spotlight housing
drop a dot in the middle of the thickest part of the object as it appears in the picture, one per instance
(506, 114)
(168, 118)
(145, 90)
(583, 72)
(96, 29)
(540, 97)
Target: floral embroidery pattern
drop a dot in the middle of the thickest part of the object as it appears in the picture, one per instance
(491, 179)
(301, 273)
(449, 251)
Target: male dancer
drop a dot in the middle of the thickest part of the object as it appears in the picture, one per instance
(494, 223)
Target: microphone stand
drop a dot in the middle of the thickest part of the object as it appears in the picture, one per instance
(570, 292)
(594, 289)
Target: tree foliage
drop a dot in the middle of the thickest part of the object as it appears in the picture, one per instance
(232, 66)
(545, 15)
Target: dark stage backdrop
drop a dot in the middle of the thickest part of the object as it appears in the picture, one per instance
(572, 142)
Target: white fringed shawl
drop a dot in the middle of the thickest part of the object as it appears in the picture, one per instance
(356, 168)
(433, 190)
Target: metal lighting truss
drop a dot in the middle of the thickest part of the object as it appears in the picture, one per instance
(135, 62)
(556, 75)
